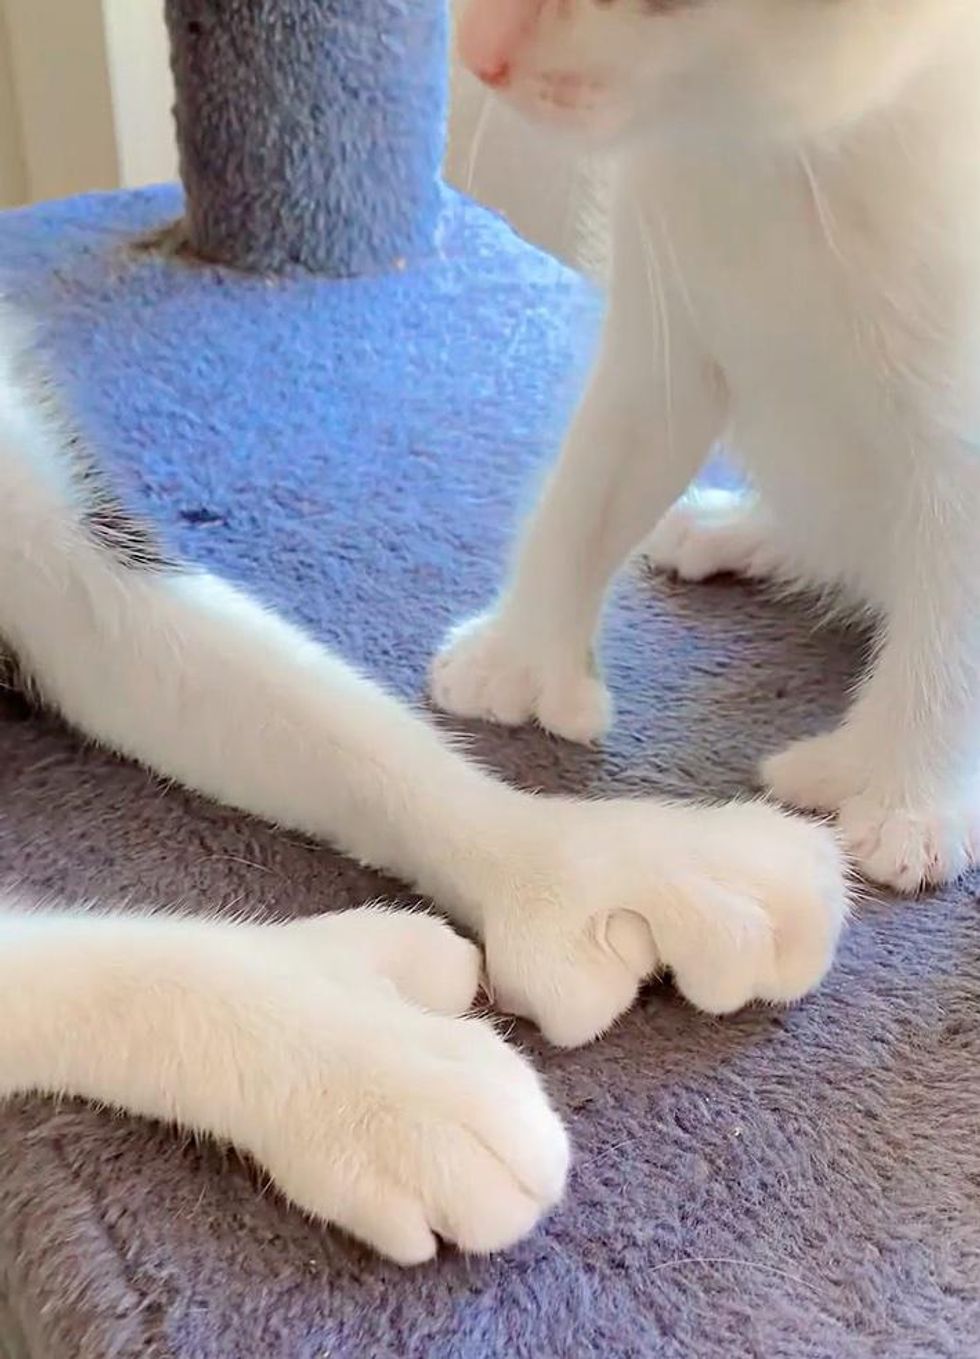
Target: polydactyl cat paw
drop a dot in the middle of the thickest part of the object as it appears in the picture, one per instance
(739, 903)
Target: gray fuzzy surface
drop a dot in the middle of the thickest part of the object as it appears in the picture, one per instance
(310, 131)
(801, 1184)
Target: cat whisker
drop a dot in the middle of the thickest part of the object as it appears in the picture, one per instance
(821, 208)
(476, 145)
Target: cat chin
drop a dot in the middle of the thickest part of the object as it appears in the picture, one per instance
(600, 128)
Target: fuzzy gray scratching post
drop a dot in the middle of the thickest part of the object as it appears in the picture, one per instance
(310, 131)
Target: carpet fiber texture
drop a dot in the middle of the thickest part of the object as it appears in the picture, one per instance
(801, 1184)
(303, 138)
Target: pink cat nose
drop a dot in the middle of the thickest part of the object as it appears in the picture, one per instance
(491, 32)
(497, 77)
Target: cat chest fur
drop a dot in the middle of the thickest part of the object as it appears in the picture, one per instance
(842, 340)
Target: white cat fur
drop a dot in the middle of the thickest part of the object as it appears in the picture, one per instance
(795, 270)
(333, 1049)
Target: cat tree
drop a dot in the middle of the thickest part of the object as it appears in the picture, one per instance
(310, 131)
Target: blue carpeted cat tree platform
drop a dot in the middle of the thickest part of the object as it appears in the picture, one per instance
(343, 413)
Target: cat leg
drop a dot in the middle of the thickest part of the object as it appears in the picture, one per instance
(532, 655)
(577, 902)
(307, 1046)
(902, 769)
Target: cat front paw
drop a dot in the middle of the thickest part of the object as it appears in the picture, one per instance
(485, 671)
(401, 1126)
(711, 532)
(766, 899)
(739, 903)
(908, 844)
(818, 773)
(908, 847)
(429, 964)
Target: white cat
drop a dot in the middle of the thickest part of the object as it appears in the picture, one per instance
(331, 1049)
(795, 268)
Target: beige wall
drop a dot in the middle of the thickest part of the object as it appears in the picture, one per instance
(60, 84)
(84, 97)
(13, 174)
(142, 90)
